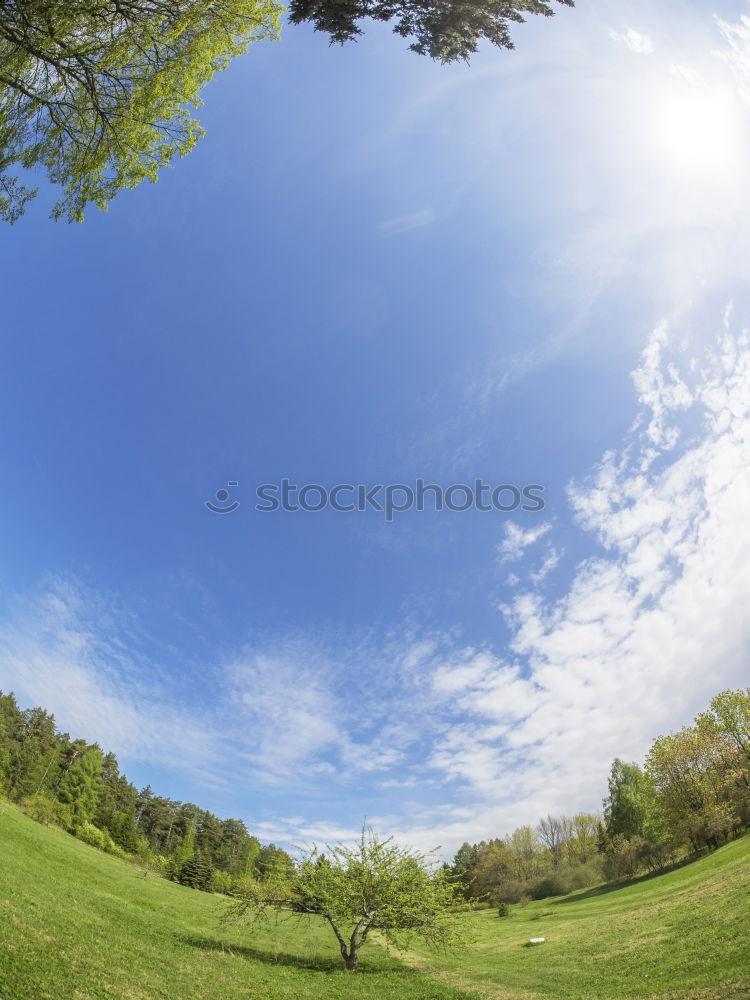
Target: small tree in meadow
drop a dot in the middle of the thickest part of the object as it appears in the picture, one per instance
(373, 886)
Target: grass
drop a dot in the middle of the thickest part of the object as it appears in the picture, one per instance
(682, 934)
(76, 924)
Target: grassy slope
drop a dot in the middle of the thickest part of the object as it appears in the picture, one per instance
(76, 924)
(681, 934)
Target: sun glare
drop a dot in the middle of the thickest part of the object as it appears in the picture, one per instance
(696, 128)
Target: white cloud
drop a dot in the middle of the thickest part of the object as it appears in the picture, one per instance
(409, 782)
(65, 649)
(517, 540)
(281, 711)
(550, 562)
(417, 653)
(737, 52)
(662, 394)
(464, 671)
(647, 631)
(282, 696)
(681, 71)
(634, 40)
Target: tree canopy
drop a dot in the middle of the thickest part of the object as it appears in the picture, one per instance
(374, 885)
(446, 30)
(98, 92)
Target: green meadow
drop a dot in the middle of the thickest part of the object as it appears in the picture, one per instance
(682, 934)
(77, 924)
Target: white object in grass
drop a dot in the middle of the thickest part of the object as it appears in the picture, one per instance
(536, 940)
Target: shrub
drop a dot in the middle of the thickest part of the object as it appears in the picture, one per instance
(143, 851)
(503, 910)
(93, 836)
(243, 884)
(654, 856)
(100, 839)
(508, 892)
(583, 875)
(47, 811)
(621, 857)
(223, 882)
(157, 864)
(553, 884)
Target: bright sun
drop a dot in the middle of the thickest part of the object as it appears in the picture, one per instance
(696, 128)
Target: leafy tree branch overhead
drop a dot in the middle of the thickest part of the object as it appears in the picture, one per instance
(446, 30)
(98, 93)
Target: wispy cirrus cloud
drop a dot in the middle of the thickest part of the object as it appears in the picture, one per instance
(405, 223)
(634, 40)
(71, 651)
(283, 711)
(450, 741)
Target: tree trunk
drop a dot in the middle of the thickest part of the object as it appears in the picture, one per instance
(350, 961)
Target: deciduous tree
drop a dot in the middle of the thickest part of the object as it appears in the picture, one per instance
(98, 92)
(373, 886)
(693, 785)
(625, 806)
(554, 831)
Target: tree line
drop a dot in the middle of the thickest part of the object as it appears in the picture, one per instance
(691, 794)
(75, 785)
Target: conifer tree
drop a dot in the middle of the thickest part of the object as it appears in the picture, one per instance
(447, 30)
(197, 872)
(81, 784)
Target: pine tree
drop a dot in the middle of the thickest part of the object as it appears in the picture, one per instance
(444, 31)
(197, 872)
(184, 853)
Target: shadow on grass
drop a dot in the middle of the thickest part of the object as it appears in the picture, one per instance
(316, 964)
(312, 964)
(603, 890)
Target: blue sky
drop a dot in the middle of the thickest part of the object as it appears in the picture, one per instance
(373, 269)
